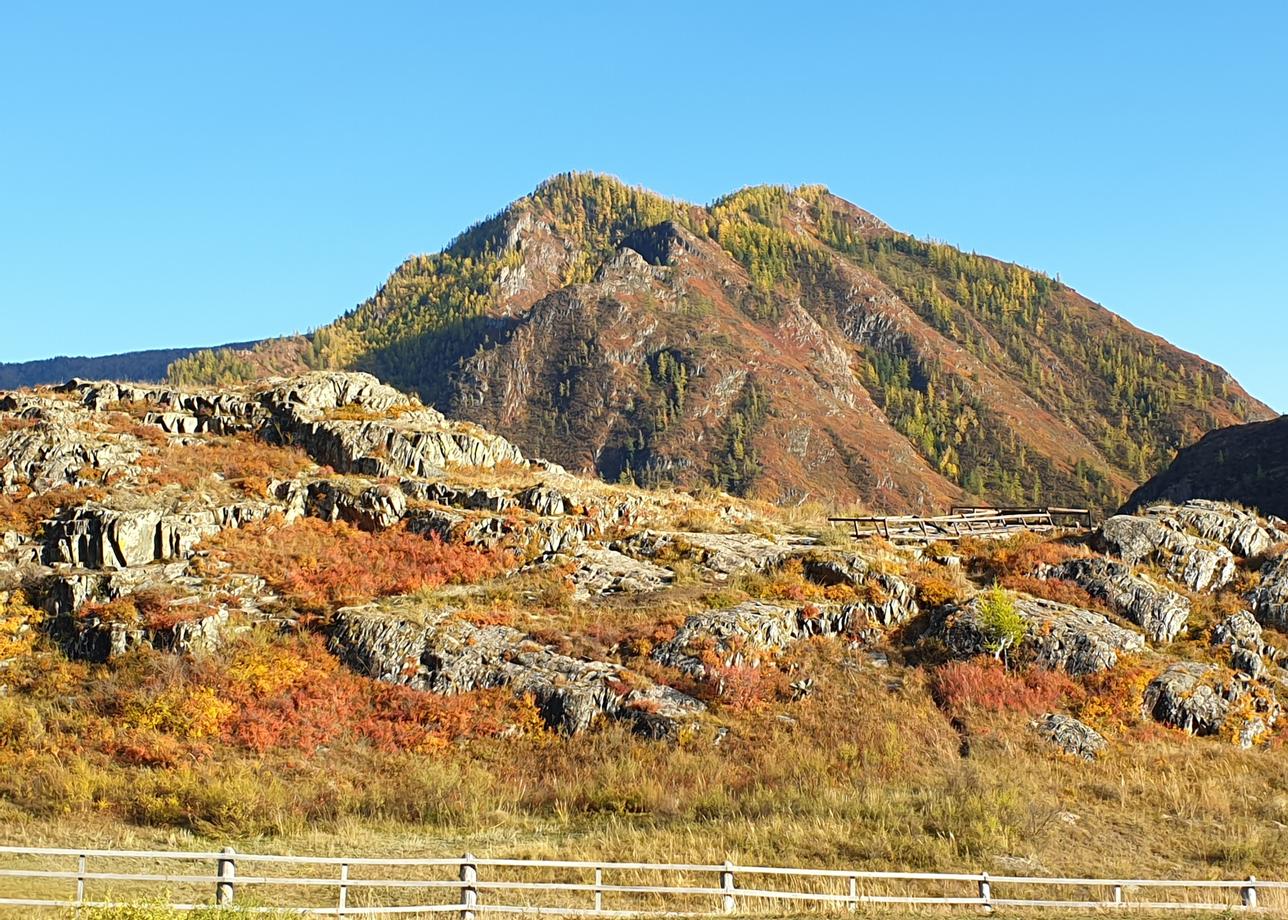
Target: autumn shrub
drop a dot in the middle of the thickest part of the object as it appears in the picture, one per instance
(318, 565)
(245, 463)
(18, 623)
(787, 582)
(1111, 699)
(983, 684)
(1020, 554)
(937, 585)
(1059, 590)
(23, 511)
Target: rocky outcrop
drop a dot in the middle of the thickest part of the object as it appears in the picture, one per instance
(94, 536)
(1204, 699)
(392, 435)
(596, 570)
(748, 634)
(886, 599)
(1070, 736)
(440, 653)
(1197, 563)
(368, 507)
(1270, 598)
(1057, 636)
(720, 553)
(95, 639)
(1242, 532)
(1160, 612)
(1249, 652)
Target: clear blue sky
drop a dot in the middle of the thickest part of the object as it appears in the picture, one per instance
(179, 174)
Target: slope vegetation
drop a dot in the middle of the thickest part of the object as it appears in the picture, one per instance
(780, 343)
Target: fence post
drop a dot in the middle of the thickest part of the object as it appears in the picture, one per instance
(1118, 894)
(985, 891)
(726, 885)
(227, 871)
(469, 893)
(80, 880)
(344, 890)
(854, 892)
(1250, 893)
(599, 894)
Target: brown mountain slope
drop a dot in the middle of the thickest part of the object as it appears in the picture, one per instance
(1247, 464)
(779, 342)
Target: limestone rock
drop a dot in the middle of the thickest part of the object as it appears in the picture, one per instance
(596, 570)
(748, 634)
(1239, 531)
(723, 554)
(1270, 598)
(1189, 696)
(1197, 563)
(1071, 736)
(1160, 612)
(444, 654)
(1058, 637)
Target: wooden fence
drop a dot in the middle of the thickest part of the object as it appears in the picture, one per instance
(966, 521)
(45, 878)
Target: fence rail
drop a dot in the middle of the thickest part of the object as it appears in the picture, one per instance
(472, 886)
(966, 521)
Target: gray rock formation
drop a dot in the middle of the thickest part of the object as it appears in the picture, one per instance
(94, 536)
(1058, 636)
(1242, 532)
(1189, 696)
(1270, 598)
(443, 654)
(721, 553)
(1160, 612)
(596, 570)
(1197, 563)
(748, 634)
(93, 639)
(1071, 736)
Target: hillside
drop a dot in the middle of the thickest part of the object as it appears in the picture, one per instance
(1247, 464)
(779, 343)
(144, 366)
(316, 610)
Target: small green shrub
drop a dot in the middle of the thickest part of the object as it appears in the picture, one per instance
(1002, 624)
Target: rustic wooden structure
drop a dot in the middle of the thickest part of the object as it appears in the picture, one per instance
(967, 521)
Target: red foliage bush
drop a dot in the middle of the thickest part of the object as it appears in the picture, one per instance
(318, 565)
(246, 463)
(983, 684)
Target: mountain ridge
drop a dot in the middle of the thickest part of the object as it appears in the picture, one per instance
(779, 342)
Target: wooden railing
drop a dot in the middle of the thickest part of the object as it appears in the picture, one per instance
(966, 521)
(31, 878)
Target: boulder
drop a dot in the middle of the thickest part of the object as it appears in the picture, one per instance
(1269, 599)
(1070, 736)
(441, 653)
(721, 554)
(93, 639)
(596, 570)
(370, 507)
(1189, 696)
(1057, 636)
(1160, 612)
(1241, 634)
(1197, 563)
(1242, 532)
(748, 634)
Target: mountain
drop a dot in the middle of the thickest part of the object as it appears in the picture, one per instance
(778, 343)
(143, 366)
(1247, 464)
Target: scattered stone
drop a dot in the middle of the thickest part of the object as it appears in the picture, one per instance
(1071, 736)
(597, 570)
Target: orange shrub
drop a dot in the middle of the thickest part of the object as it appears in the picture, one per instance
(1052, 589)
(319, 565)
(983, 684)
(246, 463)
(1020, 554)
(22, 511)
(1111, 703)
